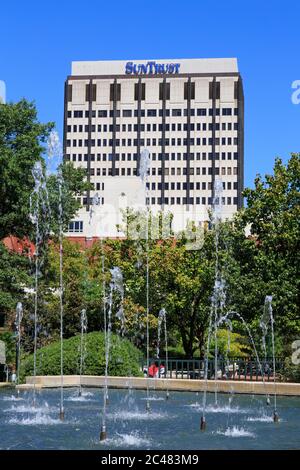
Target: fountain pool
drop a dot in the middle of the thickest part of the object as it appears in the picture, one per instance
(237, 422)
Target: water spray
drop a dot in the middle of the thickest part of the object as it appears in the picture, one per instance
(83, 322)
(116, 284)
(144, 170)
(19, 316)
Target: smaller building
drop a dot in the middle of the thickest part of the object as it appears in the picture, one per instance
(105, 218)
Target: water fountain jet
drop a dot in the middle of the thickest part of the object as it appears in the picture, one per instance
(162, 319)
(39, 206)
(55, 149)
(19, 316)
(218, 297)
(268, 317)
(116, 284)
(83, 322)
(144, 171)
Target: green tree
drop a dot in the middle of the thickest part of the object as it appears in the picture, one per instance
(13, 277)
(269, 258)
(21, 139)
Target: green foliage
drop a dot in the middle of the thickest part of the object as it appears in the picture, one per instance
(10, 346)
(21, 138)
(291, 372)
(124, 357)
(231, 344)
(13, 276)
(273, 209)
(267, 263)
(22, 144)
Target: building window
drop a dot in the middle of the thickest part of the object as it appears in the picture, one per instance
(78, 114)
(189, 90)
(226, 112)
(214, 90)
(127, 112)
(176, 112)
(142, 88)
(115, 92)
(76, 226)
(69, 93)
(164, 91)
(90, 92)
(236, 90)
(102, 113)
(151, 112)
(201, 112)
(114, 113)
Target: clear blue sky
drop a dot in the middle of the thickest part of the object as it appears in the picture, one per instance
(38, 41)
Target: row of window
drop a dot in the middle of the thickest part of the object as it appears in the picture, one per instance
(183, 186)
(229, 171)
(152, 142)
(104, 113)
(179, 186)
(181, 200)
(133, 157)
(225, 126)
(214, 91)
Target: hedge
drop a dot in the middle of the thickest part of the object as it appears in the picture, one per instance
(291, 371)
(124, 357)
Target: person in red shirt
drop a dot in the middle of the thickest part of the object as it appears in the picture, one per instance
(153, 370)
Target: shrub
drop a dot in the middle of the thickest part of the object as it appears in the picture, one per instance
(124, 357)
(291, 372)
(10, 347)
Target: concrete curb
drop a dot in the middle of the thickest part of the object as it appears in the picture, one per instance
(184, 385)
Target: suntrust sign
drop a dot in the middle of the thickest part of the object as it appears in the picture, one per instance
(151, 68)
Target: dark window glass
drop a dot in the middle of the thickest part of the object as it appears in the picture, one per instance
(115, 92)
(189, 91)
(127, 112)
(164, 91)
(236, 90)
(226, 111)
(214, 90)
(69, 93)
(151, 112)
(139, 87)
(176, 112)
(90, 92)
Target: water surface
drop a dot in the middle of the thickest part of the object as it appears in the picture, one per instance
(237, 422)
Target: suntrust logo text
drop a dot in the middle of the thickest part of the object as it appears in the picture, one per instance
(151, 68)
